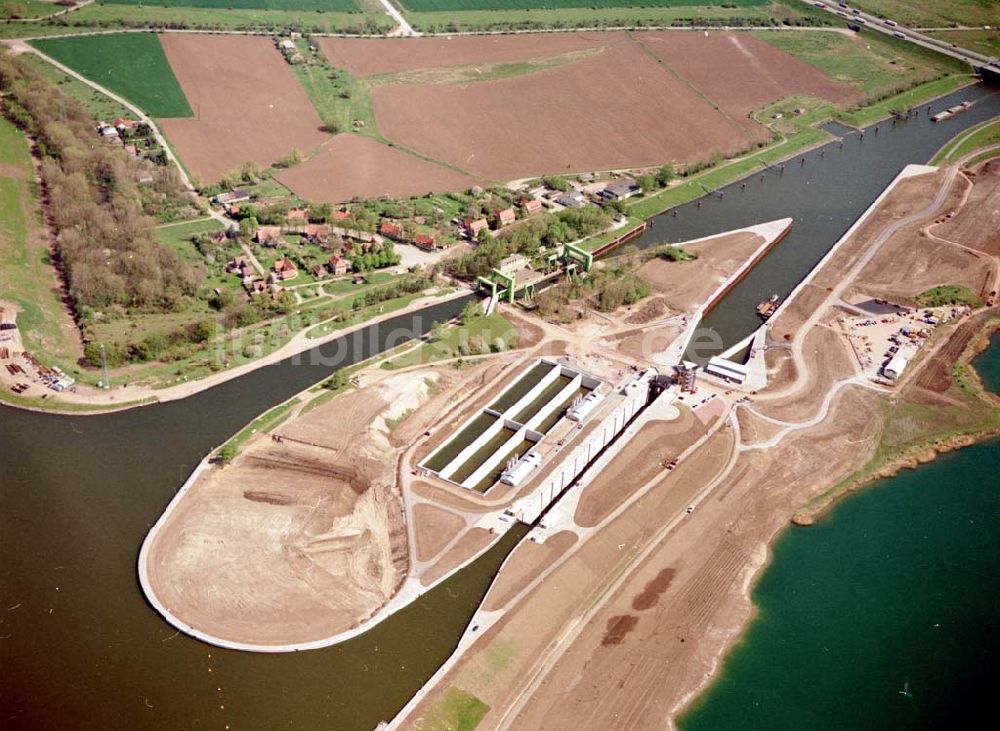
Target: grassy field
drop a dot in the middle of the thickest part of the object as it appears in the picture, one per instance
(344, 6)
(982, 135)
(26, 276)
(456, 710)
(451, 5)
(587, 16)
(449, 342)
(873, 64)
(99, 105)
(132, 65)
(948, 294)
(338, 97)
(28, 8)
(935, 14)
(984, 41)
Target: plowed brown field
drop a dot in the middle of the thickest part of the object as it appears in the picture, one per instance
(247, 102)
(367, 56)
(351, 165)
(741, 73)
(612, 110)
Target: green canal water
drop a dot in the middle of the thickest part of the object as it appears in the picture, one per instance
(882, 616)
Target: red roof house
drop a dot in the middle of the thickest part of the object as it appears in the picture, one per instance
(285, 270)
(340, 215)
(505, 217)
(270, 235)
(474, 226)
(391, 230)
(339, 265)
(425, 241)
(531, 205)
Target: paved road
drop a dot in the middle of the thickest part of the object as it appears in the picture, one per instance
(875, 23)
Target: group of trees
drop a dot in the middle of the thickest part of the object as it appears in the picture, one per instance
(528, 236)
(410, 284)
(604, 289)
(105, 238)
(377, 257)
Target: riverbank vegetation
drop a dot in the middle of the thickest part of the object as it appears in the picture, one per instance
(986, 134)
(474, 334)
(604, 289)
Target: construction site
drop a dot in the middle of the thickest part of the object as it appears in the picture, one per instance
(617, 449)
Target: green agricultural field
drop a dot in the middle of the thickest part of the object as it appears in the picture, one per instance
(872, 63)
(99, 105)
(26, 274)
(132, 65)
(607, 17)
(936, 14)
(449, 5)
(344, 6)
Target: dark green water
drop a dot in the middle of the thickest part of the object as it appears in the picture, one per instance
(894, 592)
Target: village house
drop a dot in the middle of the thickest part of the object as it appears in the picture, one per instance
(297, 216)
(317, 233)
(239, 195)
(339, 265)
(284, 270)
(319, 271)
(427, 242)
(504, 217)
(256, 286)
(391, 230)
(571, 199)
(474, 226)
(237, 264)
(268, 235)
(531, 205)
(340, 215)
(619, 190)
(124, 125)
(107, 131)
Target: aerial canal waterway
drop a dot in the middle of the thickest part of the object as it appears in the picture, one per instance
(824, 195)
(79, 647)
(882, 616)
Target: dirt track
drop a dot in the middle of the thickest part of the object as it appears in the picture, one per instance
(247, 102)
(368, 56)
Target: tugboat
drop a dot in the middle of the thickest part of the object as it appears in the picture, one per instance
(766, 308)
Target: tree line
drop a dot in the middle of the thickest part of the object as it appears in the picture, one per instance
(100, 203)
